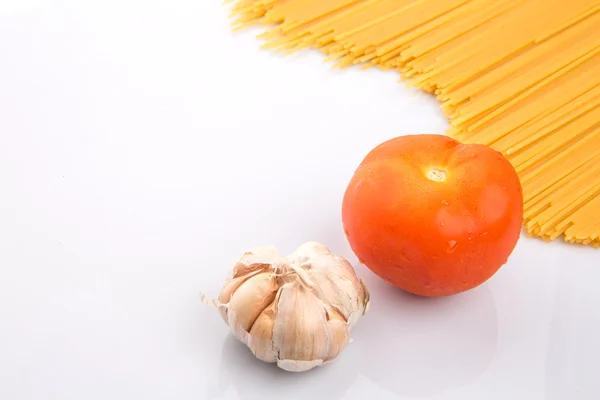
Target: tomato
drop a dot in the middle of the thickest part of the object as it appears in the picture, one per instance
(433, 216)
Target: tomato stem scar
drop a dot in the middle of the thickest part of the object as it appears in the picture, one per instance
(436, 175)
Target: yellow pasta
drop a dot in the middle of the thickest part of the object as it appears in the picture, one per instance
(522, 76)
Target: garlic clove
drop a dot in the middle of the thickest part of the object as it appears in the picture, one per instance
(338, 284)
(364, 304)
(229, 288)
(248, 302)
(339, 334)
(311, 249)
(300, 331)
(258, 259)
(260, 340)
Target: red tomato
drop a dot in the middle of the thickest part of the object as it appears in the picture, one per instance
(431, 215)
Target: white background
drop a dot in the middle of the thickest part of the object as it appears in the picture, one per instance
(143, 148)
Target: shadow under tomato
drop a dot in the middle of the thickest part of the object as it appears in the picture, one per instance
(418, 347)
(254, 379)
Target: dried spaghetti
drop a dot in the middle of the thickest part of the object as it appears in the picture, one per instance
(522, 76)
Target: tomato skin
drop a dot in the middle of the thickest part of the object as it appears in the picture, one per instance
(433, 235)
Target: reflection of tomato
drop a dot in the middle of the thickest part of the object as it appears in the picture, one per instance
(431, 215)
(412, 327)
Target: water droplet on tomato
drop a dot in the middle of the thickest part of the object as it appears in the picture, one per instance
(452, 246)
(470, 238)
(442, 224)
(445, 202)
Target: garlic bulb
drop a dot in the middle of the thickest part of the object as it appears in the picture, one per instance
(296, 311)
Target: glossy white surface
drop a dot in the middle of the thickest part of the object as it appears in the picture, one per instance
(143, 148)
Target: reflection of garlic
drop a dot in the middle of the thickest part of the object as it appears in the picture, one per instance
(296, 311)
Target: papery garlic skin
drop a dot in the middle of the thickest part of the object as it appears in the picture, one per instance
(296, 311)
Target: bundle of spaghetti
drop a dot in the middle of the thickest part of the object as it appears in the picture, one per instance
(522, 76)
